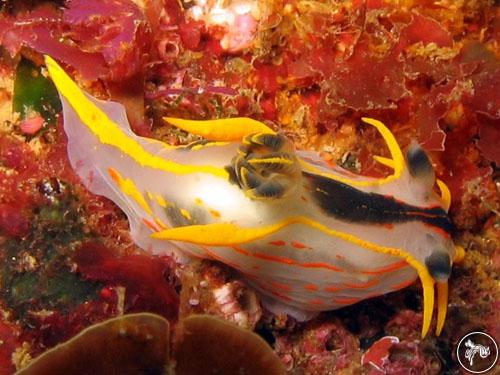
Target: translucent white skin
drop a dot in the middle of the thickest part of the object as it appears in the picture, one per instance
(298, 283)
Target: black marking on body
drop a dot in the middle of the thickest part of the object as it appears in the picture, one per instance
(347, 203)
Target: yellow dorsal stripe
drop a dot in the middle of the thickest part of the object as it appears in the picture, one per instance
(110, 133)
(227, 234)
(230, 129)
(397, 162)
(442, 305)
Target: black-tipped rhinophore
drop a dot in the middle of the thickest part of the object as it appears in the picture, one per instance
(439, 265)
(418, 162)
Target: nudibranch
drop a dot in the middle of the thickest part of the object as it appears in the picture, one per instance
(307, 235)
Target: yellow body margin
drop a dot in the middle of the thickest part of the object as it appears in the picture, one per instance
(110, 133)
(227, 234)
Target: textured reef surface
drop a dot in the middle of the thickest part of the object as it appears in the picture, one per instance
(311, 69)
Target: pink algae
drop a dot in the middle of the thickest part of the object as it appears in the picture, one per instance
(31, 125)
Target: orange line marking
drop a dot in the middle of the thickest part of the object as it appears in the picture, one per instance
(284, 287)
(311, 287)
(274, 258)
(389, 268)
(316, 301)
(280, 295)
(346, 301)
(240, 250)
(362, 285)
(277, 243)
(151, 225)
(114, 175)
(299, 245)
(402, 285)
(321, 265)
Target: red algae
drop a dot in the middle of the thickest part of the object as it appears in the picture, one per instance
(144, 277)
(10, 335)
(377, 355)
(105, 38)
(321, 347)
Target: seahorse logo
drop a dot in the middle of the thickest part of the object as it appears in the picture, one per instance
(484, 351)
(477, 352)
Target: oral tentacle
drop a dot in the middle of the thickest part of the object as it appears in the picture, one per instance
(442, 305)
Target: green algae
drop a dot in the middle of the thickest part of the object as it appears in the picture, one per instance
(34, 93)
(36, 272)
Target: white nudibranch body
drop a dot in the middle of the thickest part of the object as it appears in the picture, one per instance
(310, 237)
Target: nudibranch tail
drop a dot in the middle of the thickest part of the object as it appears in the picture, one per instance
(231, 129)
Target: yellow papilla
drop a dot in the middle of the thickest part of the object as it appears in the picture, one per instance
(230, 129)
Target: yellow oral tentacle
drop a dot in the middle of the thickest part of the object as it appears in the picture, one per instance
(428, 291)
(442, 300)
(231, 129)
(459, 254)
(445, 194)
